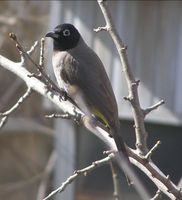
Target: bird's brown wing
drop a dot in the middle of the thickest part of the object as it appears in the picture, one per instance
(84, 69)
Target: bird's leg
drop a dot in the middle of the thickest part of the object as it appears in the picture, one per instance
(63, 96)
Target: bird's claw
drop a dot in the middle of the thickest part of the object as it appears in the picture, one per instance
(63, 95)
(77, 116)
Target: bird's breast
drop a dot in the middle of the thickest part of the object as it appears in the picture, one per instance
(58, 59)
(58, 62)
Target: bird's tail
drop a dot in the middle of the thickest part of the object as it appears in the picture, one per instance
(119, 141)
(121, 148)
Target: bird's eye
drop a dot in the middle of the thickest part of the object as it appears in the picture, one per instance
(66, 32)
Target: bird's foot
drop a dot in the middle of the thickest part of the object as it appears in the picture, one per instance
(77, 116)
(63, 95)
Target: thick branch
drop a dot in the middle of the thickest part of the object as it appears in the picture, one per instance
(148, 167)
(141, 134)
(163, 182)
(37, 85)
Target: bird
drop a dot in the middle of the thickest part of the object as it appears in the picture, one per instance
(81, 74)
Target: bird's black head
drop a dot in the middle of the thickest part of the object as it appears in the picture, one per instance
(65, 37)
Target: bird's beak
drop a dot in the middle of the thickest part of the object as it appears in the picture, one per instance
(52, 35)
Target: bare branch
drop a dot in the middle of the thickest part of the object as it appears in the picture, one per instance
(41, 61)
(122, 163)
(19, 102)
(14, 38)
(116, 184)
(46, 174)
(7, 113)
(103, 28)
(157, 195)
(77, 173)
(155, 106)
(33, 47)
(3, 121)
(148, 167)
(23, 53)
(63, 116)
(156, 176)
(156, 146)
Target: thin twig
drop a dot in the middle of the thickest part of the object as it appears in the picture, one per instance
(18, 103)
(77, 173)
(45, 177)
(103, 28)
(41, 61)
(151, 108)
(7, 113)
(76, 117)
(63, 116)
(3, 121)
(24, 55)
(148, 155)
(157, 195)
(32, 49)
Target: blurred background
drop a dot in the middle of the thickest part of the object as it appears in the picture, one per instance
(38, 154)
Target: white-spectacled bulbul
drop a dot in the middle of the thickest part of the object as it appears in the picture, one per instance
(80, 72)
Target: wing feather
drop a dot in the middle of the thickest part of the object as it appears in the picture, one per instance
(83, 68)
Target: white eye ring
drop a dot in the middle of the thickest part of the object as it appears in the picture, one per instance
(66, 32)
